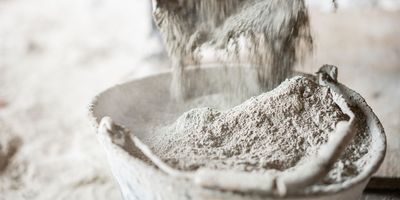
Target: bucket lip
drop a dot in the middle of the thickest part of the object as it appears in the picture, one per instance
(94, 120)
(326, 190)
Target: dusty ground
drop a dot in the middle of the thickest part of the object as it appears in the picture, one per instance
(56, 55)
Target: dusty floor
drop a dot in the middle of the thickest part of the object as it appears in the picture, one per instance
(56, 55)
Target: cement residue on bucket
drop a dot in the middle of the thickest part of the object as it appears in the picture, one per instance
(272, 132)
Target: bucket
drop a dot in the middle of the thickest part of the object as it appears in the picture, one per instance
(124, 113)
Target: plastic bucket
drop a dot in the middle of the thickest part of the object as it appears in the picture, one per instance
(130, 108)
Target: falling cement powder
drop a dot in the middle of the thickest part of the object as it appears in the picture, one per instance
(269, 35)
(274, 131)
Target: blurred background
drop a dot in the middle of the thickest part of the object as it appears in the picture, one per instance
(56, 55)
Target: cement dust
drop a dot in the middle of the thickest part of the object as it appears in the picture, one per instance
(271, 36)
(275, 131)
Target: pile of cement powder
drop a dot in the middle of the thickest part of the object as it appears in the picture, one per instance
(275, 34)
(274, 131)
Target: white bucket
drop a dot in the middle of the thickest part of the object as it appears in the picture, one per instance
(124, 112)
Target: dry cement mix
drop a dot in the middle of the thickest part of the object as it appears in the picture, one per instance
(274, 131)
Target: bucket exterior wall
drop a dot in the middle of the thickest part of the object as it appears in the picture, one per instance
(139, 181)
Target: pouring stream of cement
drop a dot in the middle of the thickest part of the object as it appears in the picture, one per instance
(272, 36)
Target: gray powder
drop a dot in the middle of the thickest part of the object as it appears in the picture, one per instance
(274, 131)
(276, 35)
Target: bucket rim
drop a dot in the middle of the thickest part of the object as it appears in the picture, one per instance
(364, 176)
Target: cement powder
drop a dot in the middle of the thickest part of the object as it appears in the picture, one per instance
(271, 36)
(274, 131)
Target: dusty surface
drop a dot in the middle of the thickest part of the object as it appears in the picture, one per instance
(56, 55)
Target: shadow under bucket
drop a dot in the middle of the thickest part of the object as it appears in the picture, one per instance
(125, 113)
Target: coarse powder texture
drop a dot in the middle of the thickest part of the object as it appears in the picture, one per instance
(274, 131)
(270, 35)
